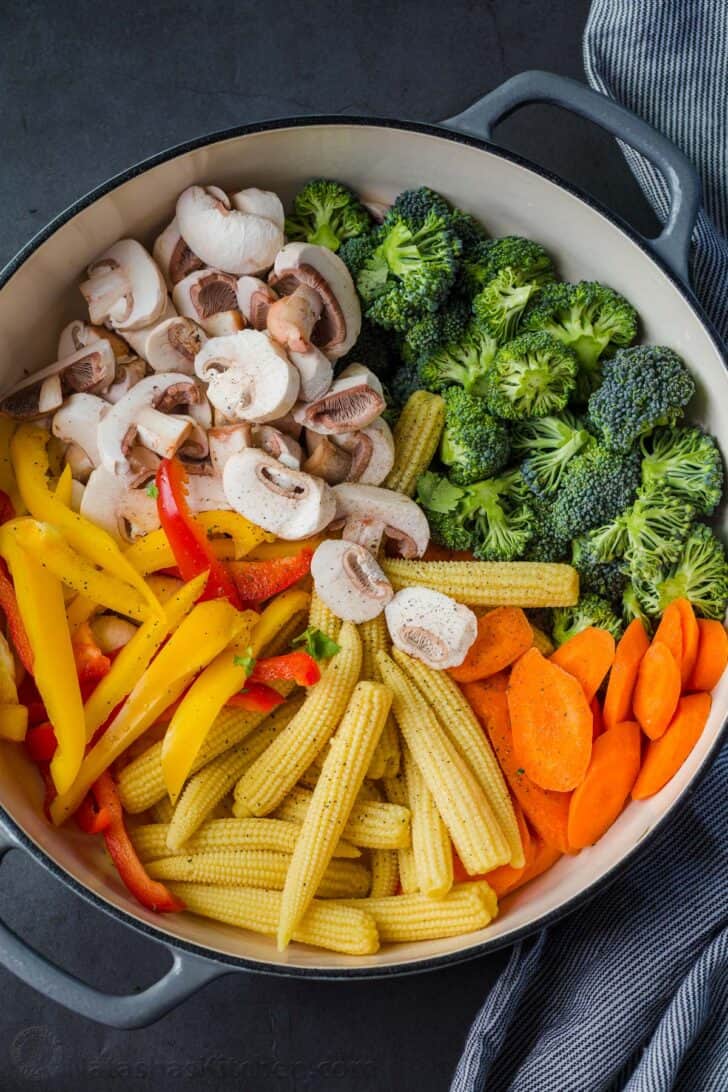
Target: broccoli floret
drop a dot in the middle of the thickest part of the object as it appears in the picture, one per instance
(650, 532)
(546, 543)
(687, 461)
(546, 444)
(499, 305)
(416, 205)
(531, 376)
(474, 445)
(374, 347)
(469, 230)
(436, 329)
(632, 608)
(700, 575)
(357, 251)
(502, 522)
(409, 271)
(596, 485)
(643, 387)
(403, 382)
(327, 213)
(529, 259)
(505, 273)
(591, 610)
(605, 578)
(465, 362)
(441, 502)
(588, 317)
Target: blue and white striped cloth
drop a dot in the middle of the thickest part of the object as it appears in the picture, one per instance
(631, 994)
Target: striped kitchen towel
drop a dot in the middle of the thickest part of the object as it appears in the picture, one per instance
(631, 993)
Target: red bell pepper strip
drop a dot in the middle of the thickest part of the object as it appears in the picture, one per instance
(260, 580)
(9, 604)
(91, 663)
(148, 892)
(90, 818)
(297, 666)
(40, 742)
(190, 545)
(49, 789)
(256, 698)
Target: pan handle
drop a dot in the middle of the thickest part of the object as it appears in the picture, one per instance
(673, 244)
(187, 974)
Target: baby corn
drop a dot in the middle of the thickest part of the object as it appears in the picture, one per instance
(325, 925)
(371, 825)
(460, 800)
(451, 708)
(385, 872)
(490, 583)
(374, 639)
(401, 918)
(398, 796)
(416, 436)
(542, 641)
(265, 784)
(278, 835)
(322, 617)
(341, 778)
(259, 868)
(431, 844)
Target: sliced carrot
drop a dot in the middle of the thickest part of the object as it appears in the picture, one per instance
(504, 634)
(587, 656)
(669, 632)
(657, 690)
(551, 721)
(623, 676)
(597, 717)
(712, 655)
(503, 878)
(690, 639)
(547, 812)
(664, 756)
(541, 858)
(613, 769)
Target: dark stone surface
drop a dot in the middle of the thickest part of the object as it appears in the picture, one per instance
(87, 88)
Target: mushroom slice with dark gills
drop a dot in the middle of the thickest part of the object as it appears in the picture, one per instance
(254, 299)
(173, 256)
(78, 334)
(316, 372)
(90, 369)
(210, 298)
(349, 580)
(291, 319)
(125, 287)
(249, 377)
(351, 403)
(234, 240)
(172, 345)
(127, 376)
(372, 452)
(286, 502)
(369, 513)
(299, 265)
(431, 626)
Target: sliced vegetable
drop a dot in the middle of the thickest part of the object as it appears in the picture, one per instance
(90, 817)
(657, 690)
(690, 639)
(41, 742)
(613, 769)
(505, 877)
(16, 628)
(597, 717)
(257, 581)
(623, 676)
(588, 656)
(669, 632)
(664, 756)
(712, 655)
(299, 667)
(317, 644)
(91, 663)
(256, 698)
(504, 634)
(542, 856)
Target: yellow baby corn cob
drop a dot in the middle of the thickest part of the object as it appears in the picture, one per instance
(213, 782)
(325, 925)
(398, 796)
(401, 918)
(284, 637)
(374, 639)
(385, 872)
(416, 436)
(490, 583)
(452, 710)
(265, 784)
(371, 824)
(431, 844)
(460, 800)
(161, 812)
(542, 641)
(259, 868)
(322, 617)
(342, 775)
(277, 835)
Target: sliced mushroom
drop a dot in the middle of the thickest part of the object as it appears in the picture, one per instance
(289, 425)
(254, 299)
(351, 403)
(319, 268)
(125, 287)
(78, 461)
(349, 581)
(173, 256)
(371, 450)
(127, 376)
(249, 377)
(211, 299)
(282, 447)
(90, 369)
(260, 203)
(227, 440)
(78, 334)
(291, 319)
(326, 459)
(286, 502)
(377, 209)
(172, 345)
(431, 626)
(77, 424)
(315, 370)
(102, 500)
(381, 512)
(224, 237)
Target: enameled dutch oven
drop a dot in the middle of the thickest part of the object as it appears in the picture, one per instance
(378, 158)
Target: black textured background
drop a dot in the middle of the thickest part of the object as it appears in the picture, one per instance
(86, 89)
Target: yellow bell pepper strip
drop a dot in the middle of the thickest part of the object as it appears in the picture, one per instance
(205, 632)
(29, 453)
(40, 600)
(64, 488)
(134, 658)
(245, 535)
(276, 614)
(200, 706)
(80, 610)
(8, 483)
(267, 551)
(13, 715)
(49, 548)
(153, 552)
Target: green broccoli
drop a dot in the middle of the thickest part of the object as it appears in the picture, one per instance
(591, 610)
(490, 516)
(700, 575)
(469, 230)
(531, 376)
(687, 461)
(588, 317)
(643, 387)
(465, 362)
(474, 445)
(546, 544)
(440, 500)
(403, 382)
(326, 213)
(632, 608)
(596, 485)
(416, 205)
(650, 532)
(429, 333)
(605, 578)
(546, 444)
(483, 260)
(374, 347)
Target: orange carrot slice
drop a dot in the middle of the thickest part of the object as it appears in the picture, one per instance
(597, 802)
(690, 639)
(623, 676)
(540, 859)
(551, 721)
(712, 655)
(664, 756)
(587, 656)
(669, 632)
(657, 690)
(504, 634)
(503, 878)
